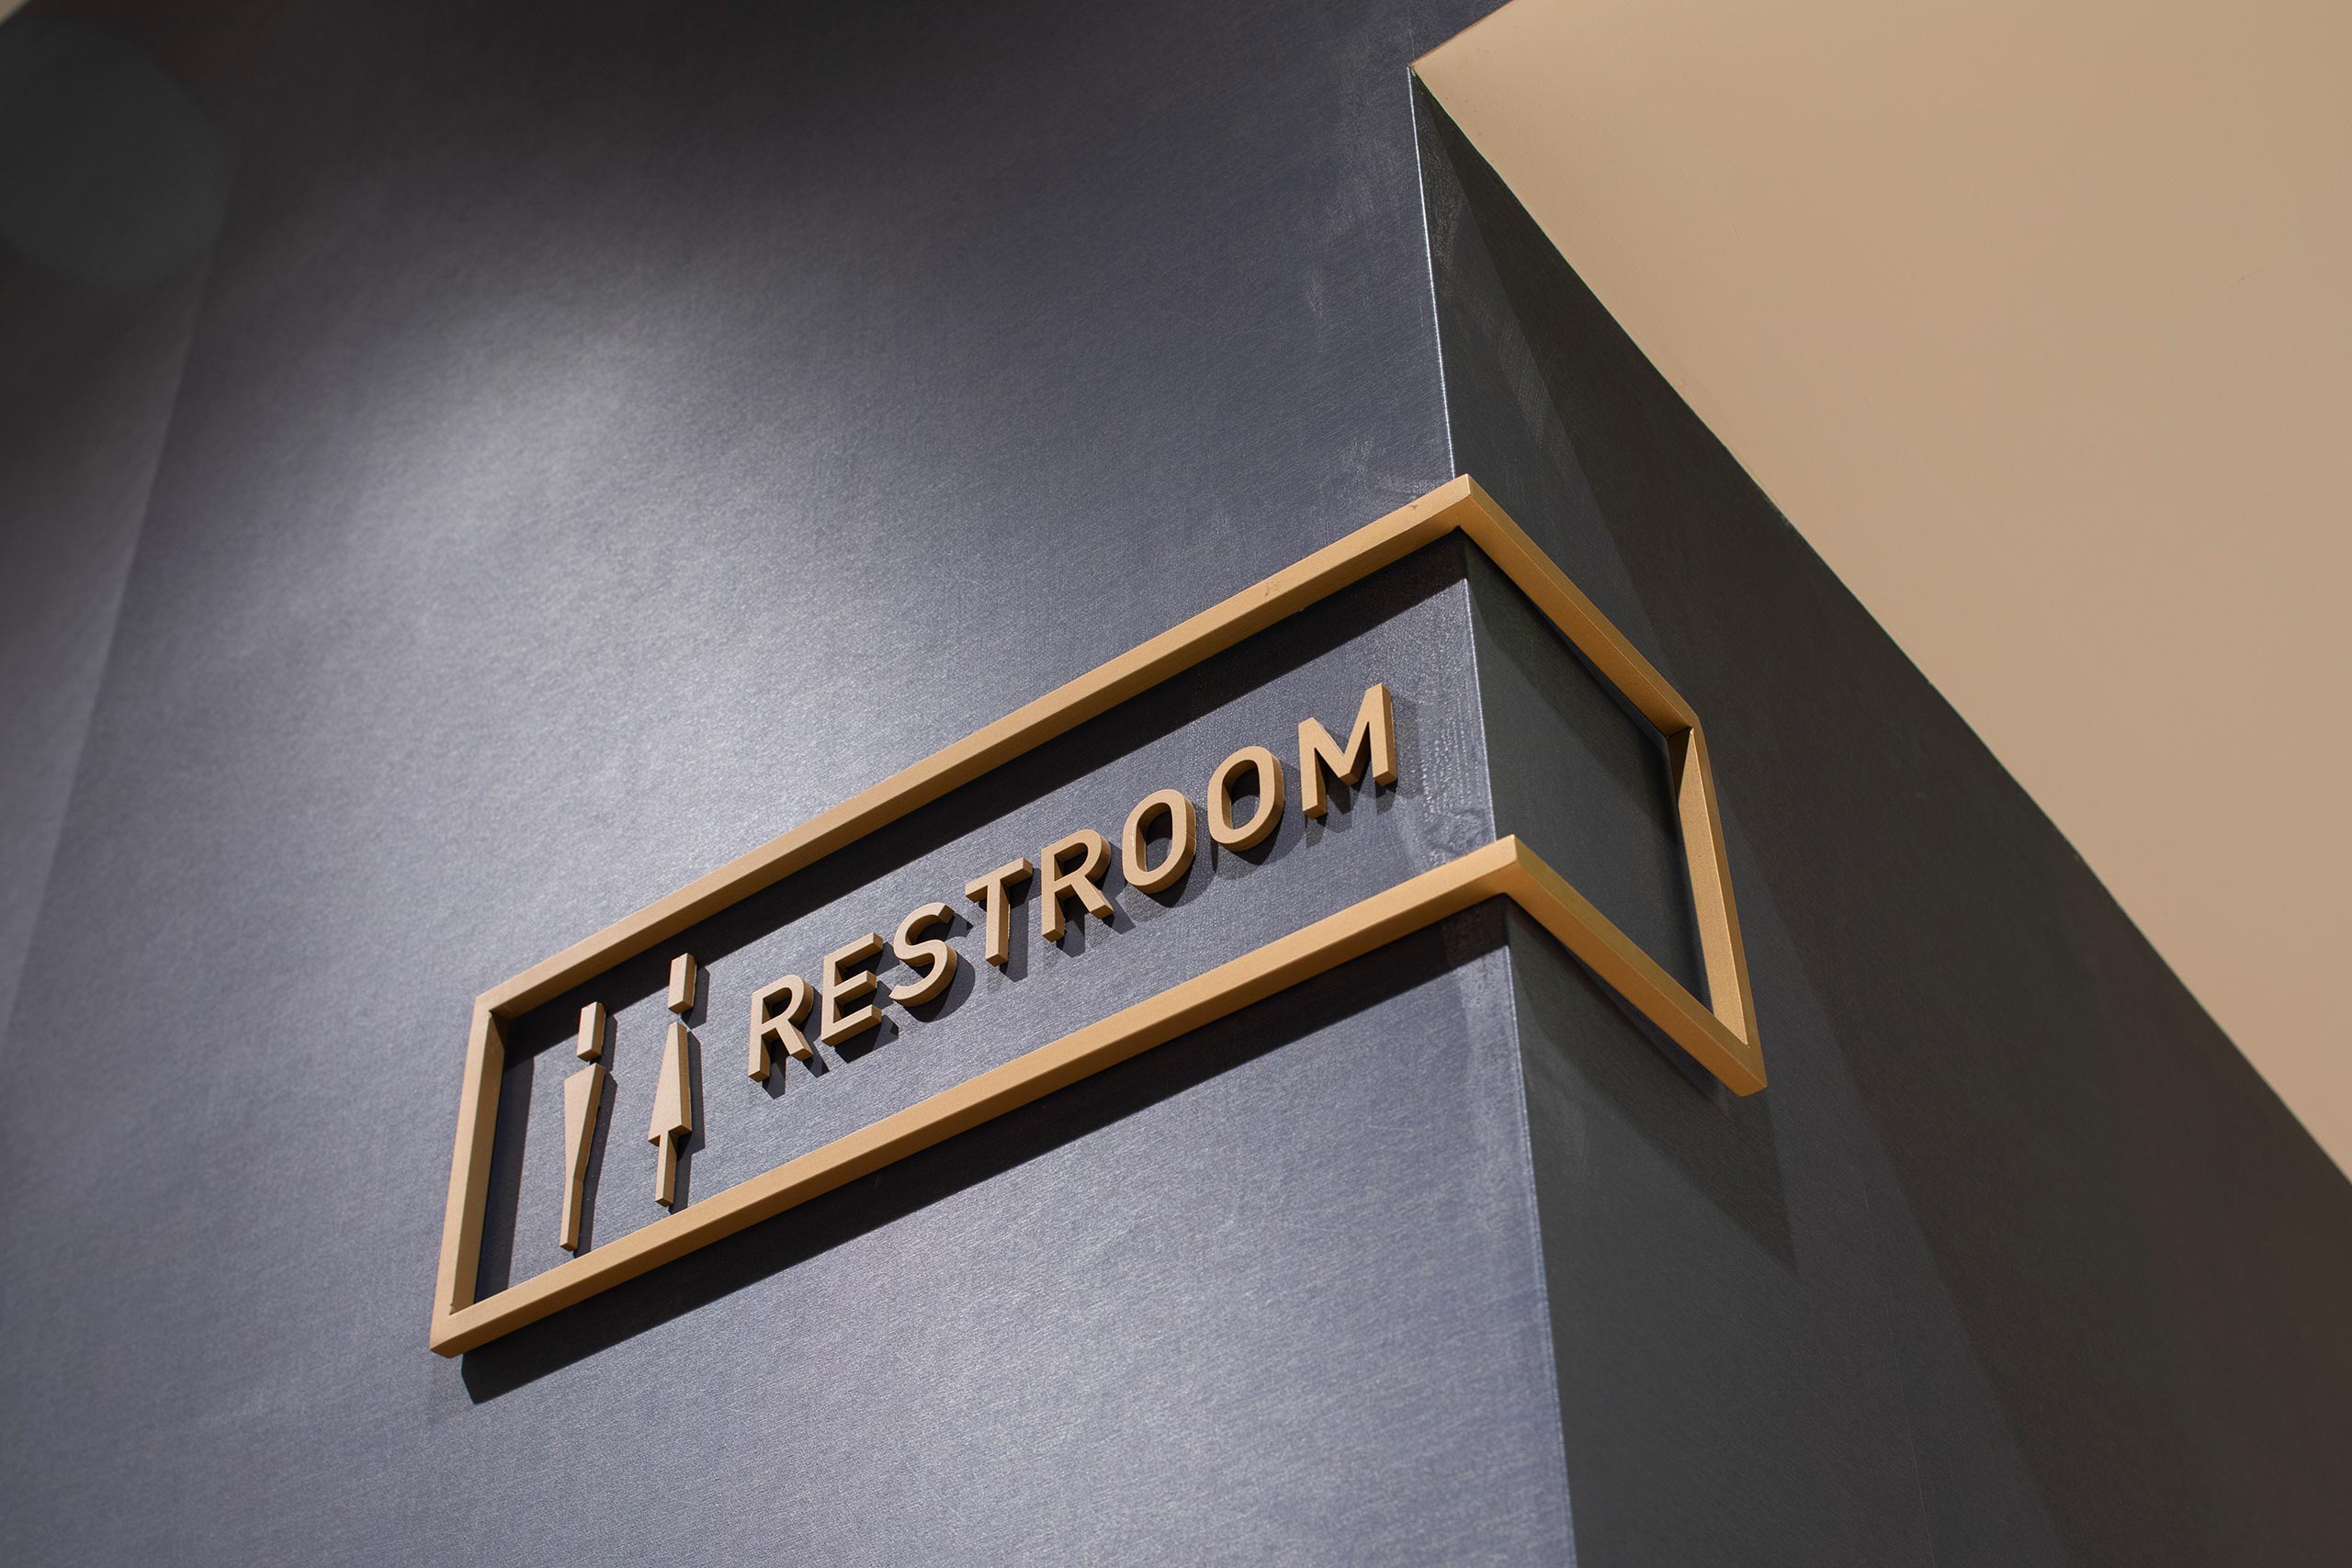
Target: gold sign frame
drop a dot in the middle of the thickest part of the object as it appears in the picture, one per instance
(1722, 1038)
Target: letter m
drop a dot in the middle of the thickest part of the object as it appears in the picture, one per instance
(1371, 741)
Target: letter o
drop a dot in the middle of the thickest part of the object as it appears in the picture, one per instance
(1269, 815)
(1133, 851)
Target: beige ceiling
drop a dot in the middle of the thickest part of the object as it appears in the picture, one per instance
(2035, 317)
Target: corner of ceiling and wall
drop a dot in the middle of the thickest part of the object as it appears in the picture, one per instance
(2030, 319)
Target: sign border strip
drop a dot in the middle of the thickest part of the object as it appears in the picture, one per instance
(1721, 1036)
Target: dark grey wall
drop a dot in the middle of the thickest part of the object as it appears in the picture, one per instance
(599, 437)
(112, 175)
(608, 438)
(2017, 1244)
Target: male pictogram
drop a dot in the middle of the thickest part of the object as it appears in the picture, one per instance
(584, 1091)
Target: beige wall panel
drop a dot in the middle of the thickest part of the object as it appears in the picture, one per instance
(2034, 319)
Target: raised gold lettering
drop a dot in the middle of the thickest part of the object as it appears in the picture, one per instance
(991, 891)
(1135, 850)
(1372, 743)
(781, 1024)
(835, 985)
(1084, 879)
(939, 958)
(1267, 774)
